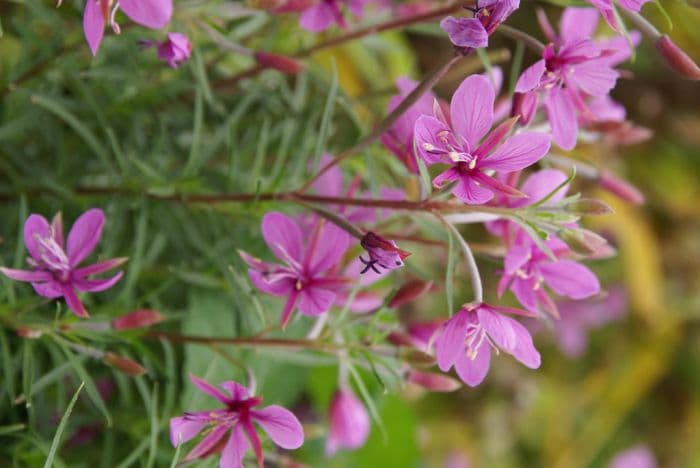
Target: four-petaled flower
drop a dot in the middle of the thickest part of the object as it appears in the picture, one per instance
(55, 270)
(306, 277)
(473, 33)
(465, 341)
(236, 420)
(461, 144)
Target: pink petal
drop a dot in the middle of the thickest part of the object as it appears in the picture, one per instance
(208, 443)
(465, 32)
(289, 307)
(318, 17)
(50, 289)
(153, 14)
(450, 175)
(84, 235)
(281, 287)
(562, 118)
(638, 456)
(499, 328)
(471, 193)
(234, 451)
(595, 77)
(471, 109)
(99, 267)
(281, 426)
(518, 152)
(26, 275)
(349, 422)
(96, 285)
(236, 390)
(542, 183)
(473, 371)
(531, 77)
(571, 279)
(73, 302)
(494, 138)
(182, 429)
(315, 301)
(524, 290)
(516, 257)
(524, 350)
(330, 246)
(35, 226)
(578, 23)
(330, 184)
(93, 25)
(634, 5)
(450, 343)
(283, 236)
(209, 389)
(426, 133)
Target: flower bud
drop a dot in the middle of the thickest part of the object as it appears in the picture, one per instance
(524, 107)
(349, 423)
(620, 188)
(432, 381)
(279, 62)
(589, 206)
(29, 333)
(123, 364)
(382, 252)
(677, 58)
(410, 291)
(137, 319)
(585, 242)
(175, 49)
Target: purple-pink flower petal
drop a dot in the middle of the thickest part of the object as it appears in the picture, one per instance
(183, 429)
(93, 25)
(234, 451)
(472, 371)
(35, 226)
(84, 235)
(314, 300)
(96, 285)
(26, 275)
(561, 113)
(73, 302)
(283, 236)
(209, 389)
(450, 343)
(281, 425)
(571, 279)
(465, 32)
(471, 109)
(153, 14)
(518, 152)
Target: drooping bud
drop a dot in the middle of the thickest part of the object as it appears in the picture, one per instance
(677, 58)
(432, 381)
(410, 291)
(622, 189)
(279, 62)
(382, 252)
(123, 364)
(175, 49)
(137, 319)
(349, 423)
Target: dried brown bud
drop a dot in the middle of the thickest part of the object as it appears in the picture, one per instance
(137, 319)
(279, 62)
(677, 58)
(123, 364)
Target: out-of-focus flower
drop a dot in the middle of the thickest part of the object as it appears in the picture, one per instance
(433, 382)
(348, 422)
(175, 49)
(624, 190)
(399, 137)
(55, 272)
(527, 269)
(153, 14)
(466, 340)
(473, 33)
(605, 8)
(573, 68)
(304, 278)
(279, 62)
(324, 13)
(382, 253)
(123, 364)
(471, 158)
(137, 319)
(236, 421)
(639, 456)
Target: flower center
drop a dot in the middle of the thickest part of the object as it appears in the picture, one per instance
(52, 256)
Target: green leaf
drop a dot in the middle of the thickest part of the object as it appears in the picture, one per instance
(62, 427)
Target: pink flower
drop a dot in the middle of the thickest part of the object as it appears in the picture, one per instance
(324, 13)
(573, 68)
(606, 9)
(153, 14)
(55, 271)
(236, 420)
(349, 423)
(306, 277)
(472, 153)
(175, 49)
(527, 270)
(473, 33)
(638, 456)
(466, 340)
(382, 253)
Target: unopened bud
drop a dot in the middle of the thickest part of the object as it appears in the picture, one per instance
(382, 253)
(279, 62)
(585, 242)
(622, 189)
(524, 107)
(410, 291)
(137, 319)
(589, 206)
(677, 58)
(29, 333)
(433, 382)
(123, 364)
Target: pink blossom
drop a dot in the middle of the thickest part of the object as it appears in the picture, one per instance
(467, 148)
(527, 269)
(306, 277)
(153, 14)
(324, 13)
(466, 341)
(473, 33)
(55, 272)
(605, 8)
(573, 68)
(349, 422)
(230, 430)
(638, 456)
(175, 49)
(382, 253)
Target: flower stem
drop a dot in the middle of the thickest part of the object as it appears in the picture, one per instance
(474, 275)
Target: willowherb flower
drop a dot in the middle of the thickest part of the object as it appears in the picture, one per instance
(348, 422)
(573, 68)
(55, 272)
(230, 430)
(639, 456)
(382, 253)
(527, 270)
(153, 14)
(471, 153)
(175, 49)
(306, 278)
(466, 340)
(605, 7)
(324, 13)
(473, 33)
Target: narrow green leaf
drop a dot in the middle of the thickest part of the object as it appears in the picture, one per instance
(62, 427)
(194, 160)
(326, 117)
